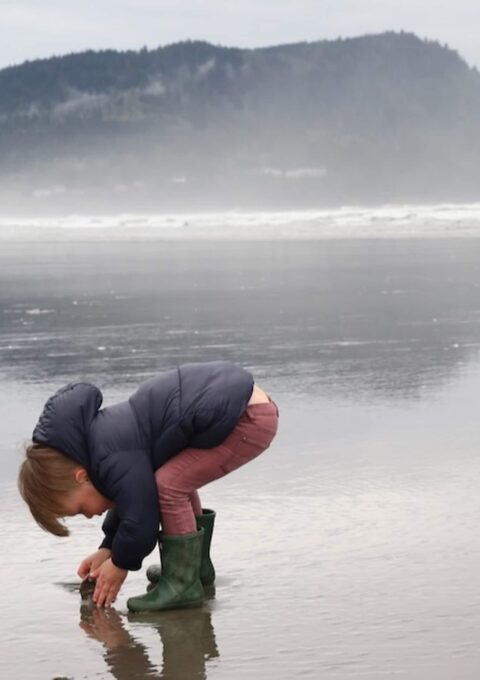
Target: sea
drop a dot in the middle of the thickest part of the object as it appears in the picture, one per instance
(350, 548)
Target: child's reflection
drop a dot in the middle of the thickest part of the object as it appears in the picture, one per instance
(187, 636)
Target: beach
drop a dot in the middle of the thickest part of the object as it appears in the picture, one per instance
(347, 550)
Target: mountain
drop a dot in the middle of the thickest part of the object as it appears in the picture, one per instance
(377, 118)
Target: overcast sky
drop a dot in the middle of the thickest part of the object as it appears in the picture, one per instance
(30, 29)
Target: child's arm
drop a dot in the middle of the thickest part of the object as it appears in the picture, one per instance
(135, 496)
(109, 528)
(130, 481)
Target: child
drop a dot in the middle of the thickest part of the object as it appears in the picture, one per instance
(143, 460)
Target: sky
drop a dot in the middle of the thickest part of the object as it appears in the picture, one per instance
(31, 29)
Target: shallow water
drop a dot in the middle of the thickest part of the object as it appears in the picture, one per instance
(350, 548)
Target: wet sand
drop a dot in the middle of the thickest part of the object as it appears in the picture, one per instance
(350, 549)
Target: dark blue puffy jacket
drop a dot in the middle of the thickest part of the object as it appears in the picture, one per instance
(122, 445)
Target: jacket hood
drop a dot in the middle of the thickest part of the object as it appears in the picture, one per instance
(66, 418)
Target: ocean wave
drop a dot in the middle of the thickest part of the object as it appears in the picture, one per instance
(387, 221)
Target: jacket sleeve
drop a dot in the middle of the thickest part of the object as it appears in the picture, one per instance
(133, 527)
(109, 528)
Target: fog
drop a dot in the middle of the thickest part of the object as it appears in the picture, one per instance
(379, 119)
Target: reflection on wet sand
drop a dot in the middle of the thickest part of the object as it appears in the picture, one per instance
(187, 637)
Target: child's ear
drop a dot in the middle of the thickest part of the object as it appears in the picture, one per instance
(81, 475)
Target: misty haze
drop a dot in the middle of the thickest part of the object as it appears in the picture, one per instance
(386, 118)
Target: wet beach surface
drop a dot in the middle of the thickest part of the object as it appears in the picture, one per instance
(350, 549)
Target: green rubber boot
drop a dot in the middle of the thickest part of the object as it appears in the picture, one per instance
(179, 585)
(207, 570)
(154, 571)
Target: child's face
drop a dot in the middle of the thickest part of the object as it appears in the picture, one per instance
(85, 499)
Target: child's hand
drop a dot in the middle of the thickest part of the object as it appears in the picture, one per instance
(109, 579)
(93, 561)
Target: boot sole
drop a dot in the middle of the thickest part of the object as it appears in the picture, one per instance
(182, 605)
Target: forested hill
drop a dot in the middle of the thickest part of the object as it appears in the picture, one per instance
(377, 118)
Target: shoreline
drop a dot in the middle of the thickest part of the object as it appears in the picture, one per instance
(348, 222)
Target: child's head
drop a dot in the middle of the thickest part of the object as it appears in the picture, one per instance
(55, 486)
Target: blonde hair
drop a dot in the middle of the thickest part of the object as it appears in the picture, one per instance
(45, 478)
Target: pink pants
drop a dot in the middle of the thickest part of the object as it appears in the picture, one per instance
(180, 477)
